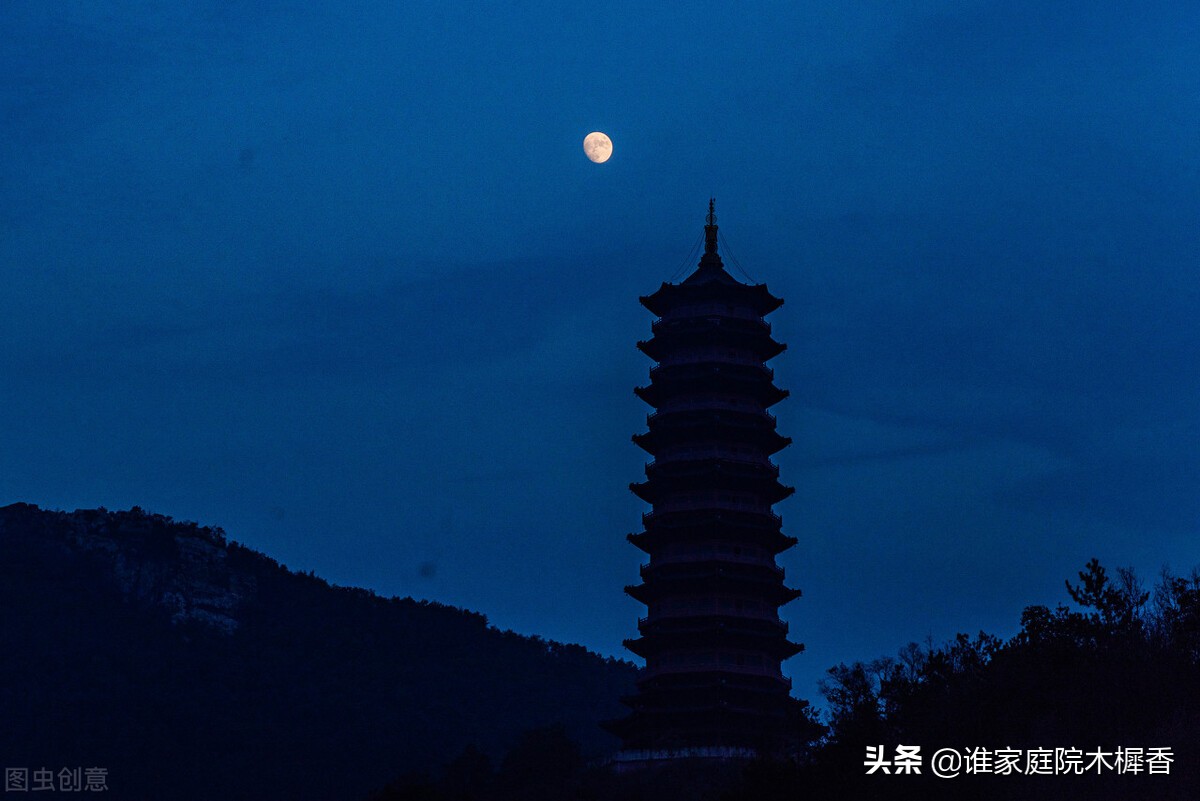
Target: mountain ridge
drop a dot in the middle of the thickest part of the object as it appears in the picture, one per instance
(168, 650)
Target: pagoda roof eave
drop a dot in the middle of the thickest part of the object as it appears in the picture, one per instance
(656, 392)
(647, 541)
(757, 296)
(762, 345)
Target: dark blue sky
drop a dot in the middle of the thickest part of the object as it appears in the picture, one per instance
(341, 281)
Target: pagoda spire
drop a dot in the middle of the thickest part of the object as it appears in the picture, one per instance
(710, 228)
(710, 257)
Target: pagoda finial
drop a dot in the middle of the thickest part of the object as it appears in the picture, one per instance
(710, 229)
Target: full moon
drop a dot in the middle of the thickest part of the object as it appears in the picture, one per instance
(597, 146)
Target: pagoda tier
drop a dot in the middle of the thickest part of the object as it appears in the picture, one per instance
(748, 634)
(771, 541)
(682, 380)
(672, 478)
(748, 429)
(706, 686)
(707, 292)
(674, 336)
(767, 587)
(713, 705)
(712, 637)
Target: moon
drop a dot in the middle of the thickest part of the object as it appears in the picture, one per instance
(597, 147)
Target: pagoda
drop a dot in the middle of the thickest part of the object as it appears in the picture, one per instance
(712, 637)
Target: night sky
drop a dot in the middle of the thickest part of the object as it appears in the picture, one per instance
(342, 281)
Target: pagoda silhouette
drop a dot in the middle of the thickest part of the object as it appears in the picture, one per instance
(712, 637)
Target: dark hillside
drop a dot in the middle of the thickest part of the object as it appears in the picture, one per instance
(192, 667)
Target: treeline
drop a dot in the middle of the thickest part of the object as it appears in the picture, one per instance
(1121, 669)
(1118, 669)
